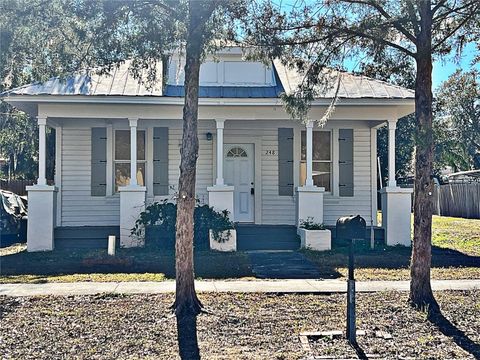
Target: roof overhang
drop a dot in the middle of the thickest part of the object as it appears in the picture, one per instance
(29, 103)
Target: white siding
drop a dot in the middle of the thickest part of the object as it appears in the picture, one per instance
(360, 203)
(78, 207)
(204, 162)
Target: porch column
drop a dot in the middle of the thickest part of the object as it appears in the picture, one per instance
(220, 126)
(132, 196)
(396, 201)
(309, 196)
(309, 154)
(42, 201)
(220, 196)
(42, 126)
(133, 122)
(392, 125)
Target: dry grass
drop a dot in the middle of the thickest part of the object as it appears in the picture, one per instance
(239, 326)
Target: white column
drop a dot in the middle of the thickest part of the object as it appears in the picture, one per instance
(220, 127)
(392, 125)
(133, 151)
(309, 154)
(42, 125)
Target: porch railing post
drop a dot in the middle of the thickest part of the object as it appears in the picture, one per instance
(220, 126)
(42, 126)
(392, 125)
(133, 122)
(309, 154)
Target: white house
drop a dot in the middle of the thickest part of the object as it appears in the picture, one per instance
(254, 160)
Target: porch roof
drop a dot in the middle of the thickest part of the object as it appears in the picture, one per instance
(121, 83)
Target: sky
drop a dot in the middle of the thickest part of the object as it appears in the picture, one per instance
(443, 69)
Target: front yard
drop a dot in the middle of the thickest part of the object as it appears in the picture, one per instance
(238, 326)
(456, 255)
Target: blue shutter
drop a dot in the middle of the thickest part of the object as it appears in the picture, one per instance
(98, 169)
(285, 161)
(345, 162)
(160, 161)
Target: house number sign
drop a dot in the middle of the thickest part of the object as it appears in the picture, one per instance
(270, 152)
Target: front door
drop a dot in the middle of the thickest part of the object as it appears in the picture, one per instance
(239, 172)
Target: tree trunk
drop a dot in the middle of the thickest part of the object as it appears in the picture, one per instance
(421, 295)
(186, 301)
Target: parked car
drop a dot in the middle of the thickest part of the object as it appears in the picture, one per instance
(13, 218)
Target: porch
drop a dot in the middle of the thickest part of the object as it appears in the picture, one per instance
(249, 237)
(265, 173)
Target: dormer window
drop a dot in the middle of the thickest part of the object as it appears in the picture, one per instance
(226, 73)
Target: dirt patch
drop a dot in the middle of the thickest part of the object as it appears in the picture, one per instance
(241, 326)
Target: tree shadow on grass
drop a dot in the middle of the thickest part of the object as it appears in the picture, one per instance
(187, 337)
(457, 335)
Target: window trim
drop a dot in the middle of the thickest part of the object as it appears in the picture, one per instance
(114, 161)
(331, 161)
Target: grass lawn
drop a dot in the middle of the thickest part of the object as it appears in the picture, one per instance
(455, 255)
(143, 264)
(237, 326)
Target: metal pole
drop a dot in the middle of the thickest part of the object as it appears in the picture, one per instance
(351, 328)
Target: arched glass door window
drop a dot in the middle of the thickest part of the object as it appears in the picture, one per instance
(237, 152)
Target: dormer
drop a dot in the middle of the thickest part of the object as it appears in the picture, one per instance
(227, 69)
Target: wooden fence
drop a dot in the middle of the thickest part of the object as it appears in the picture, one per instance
(16, 186)
(457, 200)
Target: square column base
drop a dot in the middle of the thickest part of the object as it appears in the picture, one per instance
(132, 203)
(396, 215)
(42, 203)
(310, 203)
(220, 197)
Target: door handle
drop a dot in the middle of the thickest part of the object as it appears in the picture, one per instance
(252, 191)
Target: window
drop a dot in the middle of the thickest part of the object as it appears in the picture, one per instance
(237, 152)
(322, 159)
(122, 158)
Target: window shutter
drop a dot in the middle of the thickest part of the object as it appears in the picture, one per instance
(345, 162)
(285, 161)
(160, 161)
(99, 162)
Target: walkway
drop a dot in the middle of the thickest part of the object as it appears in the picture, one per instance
(282, 265)
(260, 286)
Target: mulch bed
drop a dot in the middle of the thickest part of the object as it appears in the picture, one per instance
(239, 326)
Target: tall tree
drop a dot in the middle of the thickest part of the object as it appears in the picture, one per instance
(60, 37)
(458, 116)
(326, 32)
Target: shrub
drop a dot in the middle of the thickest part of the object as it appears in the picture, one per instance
(157, 225)
(309, 224)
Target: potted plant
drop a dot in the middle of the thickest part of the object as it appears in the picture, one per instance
(314, 236)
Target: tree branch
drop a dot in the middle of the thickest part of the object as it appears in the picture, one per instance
(455, 29)
(396, 23)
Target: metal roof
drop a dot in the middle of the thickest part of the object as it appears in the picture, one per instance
(122, 83)
(351, 86)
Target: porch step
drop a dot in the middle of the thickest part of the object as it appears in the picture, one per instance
(84, 237)
(267, 237)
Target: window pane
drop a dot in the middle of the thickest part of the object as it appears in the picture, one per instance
(122, 145)
(321, 174)
(122, 174)
(140, 145)
(321, 145)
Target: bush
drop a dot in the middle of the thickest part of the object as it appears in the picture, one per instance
(309, 224)
(157, 225)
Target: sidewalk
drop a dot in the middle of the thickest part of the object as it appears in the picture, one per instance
(260, 286)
